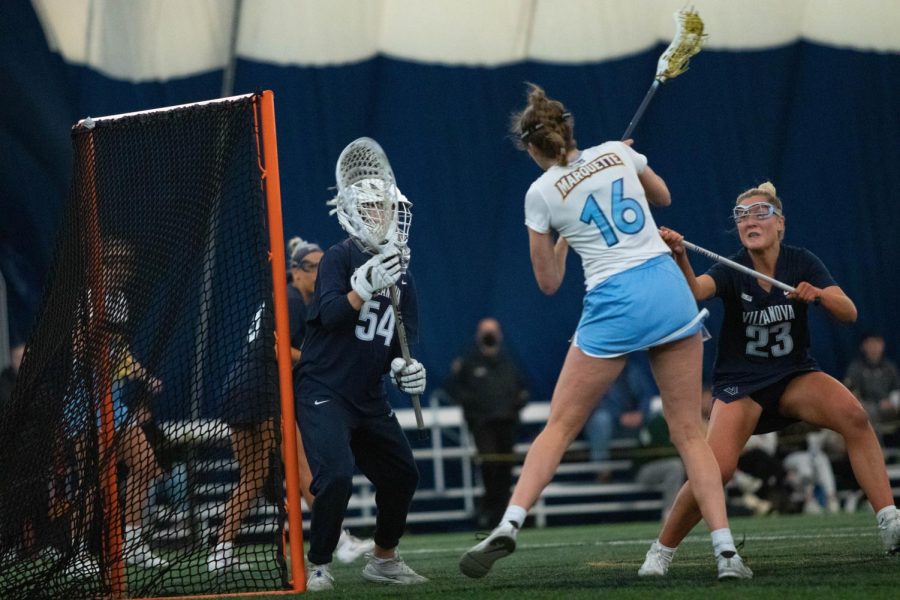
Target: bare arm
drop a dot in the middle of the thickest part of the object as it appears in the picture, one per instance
(655, 188)
(833, 299)
(548, 259)
(703, 287)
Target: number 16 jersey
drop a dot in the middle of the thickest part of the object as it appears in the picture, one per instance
(598, 204)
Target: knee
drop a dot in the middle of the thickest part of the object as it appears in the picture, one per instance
(853, 419)
(327, 483)
(727, 469)
(407, 478)
(683, 435)
(565, 428)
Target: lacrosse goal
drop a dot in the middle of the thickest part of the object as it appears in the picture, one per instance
(164, 305)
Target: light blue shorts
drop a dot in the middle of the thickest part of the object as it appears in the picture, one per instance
(645, 306)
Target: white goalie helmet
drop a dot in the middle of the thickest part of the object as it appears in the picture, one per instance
(368, 205)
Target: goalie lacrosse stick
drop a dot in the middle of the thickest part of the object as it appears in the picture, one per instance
(377, 216)
(741, 268)
(688, 39)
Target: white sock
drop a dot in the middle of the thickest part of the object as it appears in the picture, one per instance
(722, 541)
(224, 548)
(665, 550)
(132, 532)
(888, 513)
(515, 515)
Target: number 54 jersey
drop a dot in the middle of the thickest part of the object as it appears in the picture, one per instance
(598, 204)
(764, 335)
(346, 352)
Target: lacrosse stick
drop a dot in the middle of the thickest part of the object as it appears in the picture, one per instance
(688, 39)
(740, 267)
(377, 216)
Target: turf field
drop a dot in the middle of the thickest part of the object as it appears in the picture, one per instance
(792, 557)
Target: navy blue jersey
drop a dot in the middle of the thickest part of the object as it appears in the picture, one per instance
(346, 352)
(764, 336)
(296, 316)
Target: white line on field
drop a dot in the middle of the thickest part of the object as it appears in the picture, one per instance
(847, 532)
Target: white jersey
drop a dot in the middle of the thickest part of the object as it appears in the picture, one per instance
(598, 205)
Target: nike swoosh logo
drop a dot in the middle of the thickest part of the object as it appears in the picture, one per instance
(318, 402)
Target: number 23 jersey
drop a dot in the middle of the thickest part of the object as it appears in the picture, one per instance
(598, 204)
(764, 335)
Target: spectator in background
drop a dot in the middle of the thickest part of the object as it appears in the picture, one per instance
(811, 469)
(762, 478)
(487, 384)
(874, 379)
(623, 410)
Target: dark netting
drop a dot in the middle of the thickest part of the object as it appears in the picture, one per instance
(159, 305)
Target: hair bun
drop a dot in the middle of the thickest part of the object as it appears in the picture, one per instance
(767, 186)
(294, 243)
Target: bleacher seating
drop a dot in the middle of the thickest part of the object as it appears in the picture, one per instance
(449, 487)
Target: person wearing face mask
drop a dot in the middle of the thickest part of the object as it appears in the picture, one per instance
(489, 387)
(765, 377)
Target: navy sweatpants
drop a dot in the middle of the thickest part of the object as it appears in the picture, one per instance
(337, 437)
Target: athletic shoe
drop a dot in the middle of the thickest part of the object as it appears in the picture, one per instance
(732, 567)
(82, 566)
(141, 555)
(350, 547)
(890, 535)
(222, 558)
(138, 553)
(390, 570)
(656, 563)
(318, 578)
(478, 560)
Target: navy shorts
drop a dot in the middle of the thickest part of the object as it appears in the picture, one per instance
(769, 398)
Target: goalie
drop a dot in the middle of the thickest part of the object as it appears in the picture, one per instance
(342, 408)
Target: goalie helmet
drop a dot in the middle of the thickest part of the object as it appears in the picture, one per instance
(368, 205)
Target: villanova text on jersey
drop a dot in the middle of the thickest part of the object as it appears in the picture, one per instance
(770, 314)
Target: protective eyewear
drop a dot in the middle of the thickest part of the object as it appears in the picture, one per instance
(758, 211)
(308, 267)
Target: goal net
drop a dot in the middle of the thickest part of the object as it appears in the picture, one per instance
(140, 453)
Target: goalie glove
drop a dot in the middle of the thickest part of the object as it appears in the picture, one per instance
(377, 273)
(410, 378)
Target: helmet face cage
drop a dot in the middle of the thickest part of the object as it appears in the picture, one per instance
(369, 206)
(758, 211)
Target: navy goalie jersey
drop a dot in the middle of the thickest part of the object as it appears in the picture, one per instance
(345, 352)
(764, 335)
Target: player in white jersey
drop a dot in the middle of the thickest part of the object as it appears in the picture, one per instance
(597, 201)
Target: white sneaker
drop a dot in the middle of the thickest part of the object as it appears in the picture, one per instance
(138, 553)
(350, 547)
(478, 560)
(141, 555)
(733, 567)
(890, 535)
(222, 558)
(318, 578)
(82, 566)
(656, 563)
(390, 570)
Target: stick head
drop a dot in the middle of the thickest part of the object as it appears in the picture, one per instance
(368, 205)
(688, 40)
